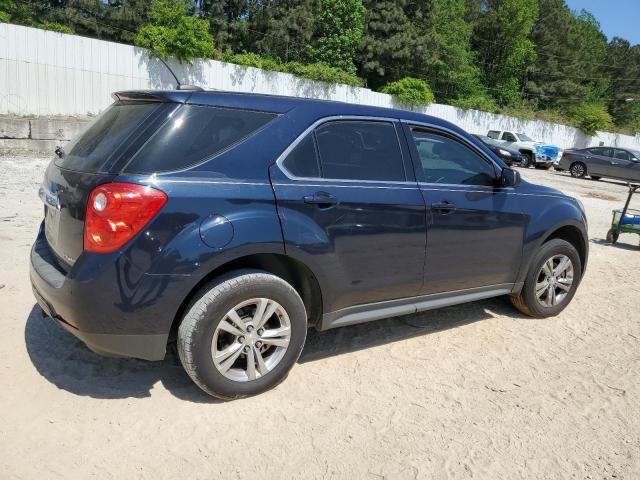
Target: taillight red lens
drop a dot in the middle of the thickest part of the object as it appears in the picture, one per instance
(116, 212)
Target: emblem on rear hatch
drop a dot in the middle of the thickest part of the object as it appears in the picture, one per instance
(48, 197)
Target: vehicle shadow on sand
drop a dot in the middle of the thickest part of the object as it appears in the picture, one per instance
(68, 364)
(338, 341)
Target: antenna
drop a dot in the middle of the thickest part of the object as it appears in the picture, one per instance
(179, 86)
(169, 68)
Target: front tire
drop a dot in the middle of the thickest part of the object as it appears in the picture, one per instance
(527, 160)
(552, 280)
(242, 334)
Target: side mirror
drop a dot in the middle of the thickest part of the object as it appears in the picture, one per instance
(509, 178)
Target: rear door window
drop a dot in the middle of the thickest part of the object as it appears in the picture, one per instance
(195, 133)
(357, 150)
(92, 150)
(495, 134)
(602, 151)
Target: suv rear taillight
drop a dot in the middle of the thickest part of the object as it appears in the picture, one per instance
(116, 212)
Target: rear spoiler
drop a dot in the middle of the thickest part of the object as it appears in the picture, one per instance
(174, 96)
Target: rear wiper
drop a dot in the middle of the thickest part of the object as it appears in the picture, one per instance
(59, 152)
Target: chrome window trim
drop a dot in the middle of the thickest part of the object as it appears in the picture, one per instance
(438, 128)
(423, 186)
(357, 184)
(362, 118)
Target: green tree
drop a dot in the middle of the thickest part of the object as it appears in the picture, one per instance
(85, 17)
(125, 18)
(391, 46)
(173, 33)
(410, 92)
(17, 12)
(448, 60)
(555, 77)
(283, 29)
(501, 30)
(623, 96)
(229, 22)
(57, 27)
(592, 117)
(337, 34)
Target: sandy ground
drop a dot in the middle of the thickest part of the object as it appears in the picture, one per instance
(473, 391)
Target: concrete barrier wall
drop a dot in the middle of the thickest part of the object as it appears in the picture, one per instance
(19, 134)
(46, 73)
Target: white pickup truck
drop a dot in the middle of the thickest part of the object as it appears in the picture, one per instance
(538, 154)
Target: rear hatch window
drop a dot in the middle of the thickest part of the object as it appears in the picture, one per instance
(96, 149)
(193, 134)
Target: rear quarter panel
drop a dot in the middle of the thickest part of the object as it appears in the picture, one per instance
(171, 251)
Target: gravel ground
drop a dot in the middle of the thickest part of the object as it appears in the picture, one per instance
(472, 391)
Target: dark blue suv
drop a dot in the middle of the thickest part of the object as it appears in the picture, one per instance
(231, 223)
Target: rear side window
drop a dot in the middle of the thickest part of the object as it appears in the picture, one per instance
(495, 134)
(91, 151)
(195, 133)
(355, 150)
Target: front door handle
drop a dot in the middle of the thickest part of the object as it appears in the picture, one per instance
(444, 208)
(323, 200)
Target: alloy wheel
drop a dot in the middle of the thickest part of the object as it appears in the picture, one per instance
(577, 170)
(251, 339)
(554, 280)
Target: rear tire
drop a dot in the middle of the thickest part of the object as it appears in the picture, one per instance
(578, 170)
(542, 297)
(219, 322)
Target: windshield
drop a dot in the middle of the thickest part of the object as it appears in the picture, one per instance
(488, 140)
(91, 151)
(635, 153)
(525, 138)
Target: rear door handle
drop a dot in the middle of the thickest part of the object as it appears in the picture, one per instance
(444, 208)
(323, 200)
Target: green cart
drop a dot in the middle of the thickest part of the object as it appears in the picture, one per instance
(626, 220)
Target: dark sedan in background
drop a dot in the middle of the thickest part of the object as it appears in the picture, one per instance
(598, 162)
(509, 156)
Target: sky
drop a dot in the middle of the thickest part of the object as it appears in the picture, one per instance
(618, 18)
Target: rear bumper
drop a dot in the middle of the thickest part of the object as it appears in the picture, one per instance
(92, 303)
(544, 160)
(145, 347)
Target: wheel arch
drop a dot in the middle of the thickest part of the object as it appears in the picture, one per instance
(572, 234)
(570, 230)
(293, 271)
